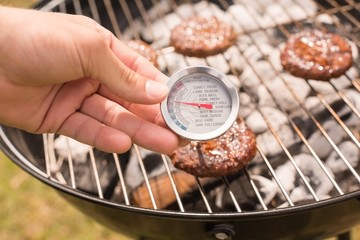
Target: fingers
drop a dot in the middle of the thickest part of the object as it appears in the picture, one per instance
(125, 82)
(121, 50)
(140, 131)
(89, 131)
(122, 70)
(140, 65)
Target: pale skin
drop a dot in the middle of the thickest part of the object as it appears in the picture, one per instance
(66, 74)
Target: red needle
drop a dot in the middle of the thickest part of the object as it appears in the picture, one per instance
(200, 105)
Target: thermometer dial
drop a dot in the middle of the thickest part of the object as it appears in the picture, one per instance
(202, 103)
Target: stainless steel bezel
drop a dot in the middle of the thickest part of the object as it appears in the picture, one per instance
(235, 103)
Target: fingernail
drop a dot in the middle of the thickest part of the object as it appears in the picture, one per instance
(156, 89)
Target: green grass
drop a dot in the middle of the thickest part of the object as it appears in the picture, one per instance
(18, 3)
(30, 210)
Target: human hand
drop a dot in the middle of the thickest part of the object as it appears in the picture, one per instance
(66, 74)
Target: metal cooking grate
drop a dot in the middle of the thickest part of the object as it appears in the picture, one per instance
(123, 18)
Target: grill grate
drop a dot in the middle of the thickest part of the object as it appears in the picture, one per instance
(123, 18)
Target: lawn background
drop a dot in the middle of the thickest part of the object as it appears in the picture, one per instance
(31, 210)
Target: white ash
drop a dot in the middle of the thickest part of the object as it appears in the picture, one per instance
(315, 106)
(172, 61)
(133, 174)
(244, 193)
(313, 173)
(354, 50)
(206, 9)
(250, 78)
(309, 6)
(247, 106)
(234, 59)
(78, 151)
(276, 11)
(351, 153)
(253, 15)
(266, 187)
(265, 99)
(185, 10)
(160, 31)
(312, 102)
(235, 80)
(243, 20)
(274, 58)
(219, 62)
(264, 70)
(325, 18)
(320, 144)
(256, 122)
(354, 98)
(256, 53)
(219, 193)
(343, 82)
(274, 116)
(270, 146)
(298, 86)
(243, 42)
(263, 19)
(301, 195)
(322, 87)
(261, 39)
(163, 6)
(282, 94)
(195, 61)
(297, 13)
(286, 174)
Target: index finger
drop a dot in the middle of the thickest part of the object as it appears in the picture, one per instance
(138, 64)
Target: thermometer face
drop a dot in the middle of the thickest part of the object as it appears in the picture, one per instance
(202, 103)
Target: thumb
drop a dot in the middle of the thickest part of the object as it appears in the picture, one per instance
(118, 70)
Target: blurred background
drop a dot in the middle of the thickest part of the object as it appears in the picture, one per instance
(31, 210)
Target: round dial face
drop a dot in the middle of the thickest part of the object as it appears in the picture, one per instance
(202, 103)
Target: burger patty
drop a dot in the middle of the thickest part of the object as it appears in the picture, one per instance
(144, 49)
(316, 55)
(202, 37)
(225, 155)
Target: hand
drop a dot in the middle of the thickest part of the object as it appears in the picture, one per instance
(66, 74)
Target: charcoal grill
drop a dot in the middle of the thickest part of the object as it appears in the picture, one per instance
(165, 204)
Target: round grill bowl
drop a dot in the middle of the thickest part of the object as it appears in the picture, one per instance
(308, 221)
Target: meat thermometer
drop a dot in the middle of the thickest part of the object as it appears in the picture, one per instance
(202, 103)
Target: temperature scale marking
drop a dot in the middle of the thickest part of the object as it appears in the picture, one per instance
(202, 103)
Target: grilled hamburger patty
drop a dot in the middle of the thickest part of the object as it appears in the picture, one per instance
(225, 155)
(202, 37)
(316, 55)
(144, 49)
